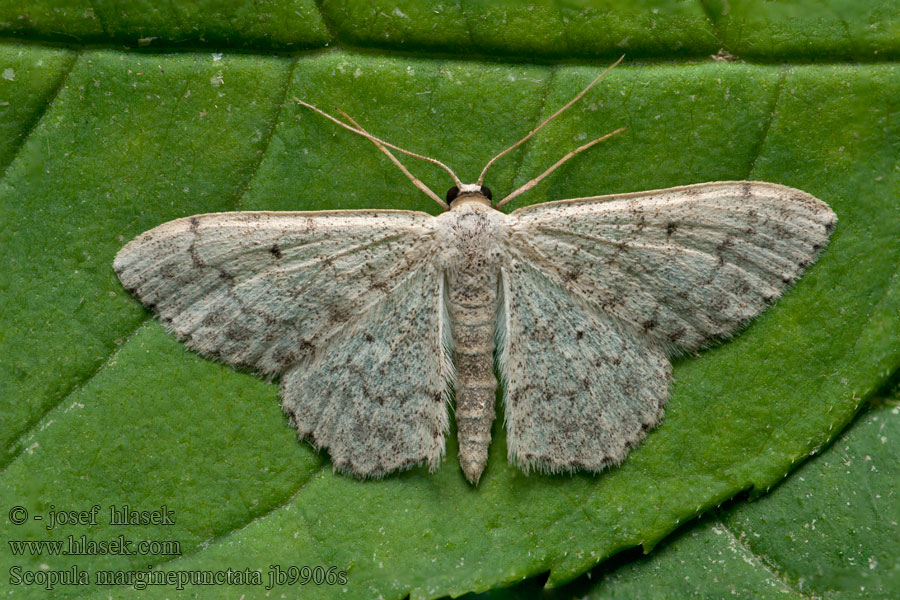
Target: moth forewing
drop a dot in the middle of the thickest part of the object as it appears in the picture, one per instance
(687, 264)
(285, 293)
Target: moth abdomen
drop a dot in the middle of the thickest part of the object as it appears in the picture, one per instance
(476, 386)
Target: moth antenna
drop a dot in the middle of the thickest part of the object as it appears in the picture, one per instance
(540, 177)
(376, 140)
(547, 120)
(415, 180)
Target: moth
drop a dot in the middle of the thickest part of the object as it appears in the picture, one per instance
(375, 319)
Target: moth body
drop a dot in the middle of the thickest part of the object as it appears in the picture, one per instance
(475, 231)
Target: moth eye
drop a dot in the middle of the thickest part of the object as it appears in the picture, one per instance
(486, 192)
(452, 193)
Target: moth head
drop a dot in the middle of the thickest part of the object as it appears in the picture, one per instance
(468, 189)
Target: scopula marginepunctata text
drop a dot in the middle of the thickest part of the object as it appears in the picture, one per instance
(371, 317)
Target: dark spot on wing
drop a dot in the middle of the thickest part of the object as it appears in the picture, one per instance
(338, 313)
(381, 285)
(240, 334)
(677, 335)
(212, 319)
(306, 348)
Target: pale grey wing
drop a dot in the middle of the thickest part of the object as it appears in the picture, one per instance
(377, 400)
(685, 265)
(266, 290)
(581, 386)
(345, 305)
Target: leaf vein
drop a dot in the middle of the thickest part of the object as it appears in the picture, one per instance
(18, 446)
(776, 96)
(23, 139)
(742, 549)
(523, 153)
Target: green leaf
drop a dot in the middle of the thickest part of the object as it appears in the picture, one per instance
(102, 407)
(266, 25)
(807, 29)
(28, 81)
